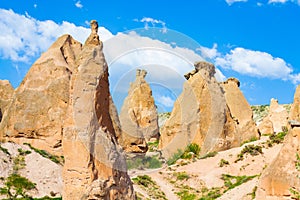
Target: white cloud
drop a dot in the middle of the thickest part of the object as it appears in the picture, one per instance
(35, 5)
(78, 4)
(257, 64)
(209, 52)
(230, 2)
(148, 20)
(23, 37)
(165, 101)
(283, 1)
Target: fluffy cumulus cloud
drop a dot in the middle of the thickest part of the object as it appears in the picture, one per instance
(209, 53)
(23, 37)
(230, 2)
(256, 64)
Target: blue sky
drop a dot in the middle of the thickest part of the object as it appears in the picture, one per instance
(255, 41)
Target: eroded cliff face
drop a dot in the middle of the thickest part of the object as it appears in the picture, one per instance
(38, 107)
(138, 116)
(202, 115)
(282, 174)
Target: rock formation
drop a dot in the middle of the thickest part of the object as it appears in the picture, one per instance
(95, 167)
(138, 116)
(38, 108)
(201, 115)
(6, 94)
(277, 116)
(282, 174)
(240, 111)
(65, 99)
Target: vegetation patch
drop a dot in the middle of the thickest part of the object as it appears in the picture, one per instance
(175, 157)
(252, 139)
(186, 195)
(153, 146)
(181, 176)
(153, 190)
(16, 186)
(276, 138)
(45, 154)
(294, 191)
(209, 154)
(144, 163)
(253, 150)
(4, 150)
(223, 163)
(231, 182)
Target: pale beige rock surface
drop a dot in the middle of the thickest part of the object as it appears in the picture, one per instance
(282, 174)
(6, 95)
(201, 115)
(240, 111)
(138, 116)
(38, 107)
(278, 115)
(95, 166)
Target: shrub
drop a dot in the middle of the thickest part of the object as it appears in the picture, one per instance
(152, 146)
(185, 195)
(182, 176)
(223, 162)
(175, 157)
(238, 180)
(250, 149)
(146, 162)
(15, 186)
(276, 138)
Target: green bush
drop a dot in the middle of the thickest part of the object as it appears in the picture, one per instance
(182, 176)
(250, 149)
(276, 138)
(152, 146)
(175, 157)
(185, 195)
(145, 162)
(15, 186)
(231, 182)
(223, 162)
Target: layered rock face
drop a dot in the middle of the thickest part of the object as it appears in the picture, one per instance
(95, 166)
(39, 105)
(282, 174)
(6, 94)
(277, 116)
(240, 110)
(138, 116)
(201, 115)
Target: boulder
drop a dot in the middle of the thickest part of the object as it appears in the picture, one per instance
(95, 166)
(266, 126)
(39, 105)
(277, 115)
(282, 174)
(6, 95)
(138, 116)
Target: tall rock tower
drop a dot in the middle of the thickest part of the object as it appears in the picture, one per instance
(95, 166)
